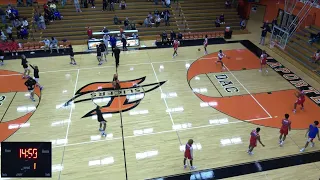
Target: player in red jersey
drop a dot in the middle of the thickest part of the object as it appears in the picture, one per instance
(300, 101)
(263, 61)
(175, 48)
(188, 154)
(285, 128)
(253, 140)
(205, 44)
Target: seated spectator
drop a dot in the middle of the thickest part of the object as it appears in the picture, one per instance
(116, 20)
(46, 42)
(20, 3)
(123, 5)
(126, 23)
(54, 44)
(147, 22)
(24, 32)
(9, 31)
(133, 26)
(156, 12)
(172, 35)
(167, 3)
(158, 20)
(150, 17)
(243, 24)
(164, 37)
(53, 6)
(16, 23)
(29, 2)
(227, 4)
(105, 30)
(134, 36)
(3, 16)
(3, 36)
(57, 15)
(314, 38)
(25, 23)
(222, 19)
(316, 56)
(217, 22)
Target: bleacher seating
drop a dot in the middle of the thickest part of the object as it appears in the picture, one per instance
(299, 49)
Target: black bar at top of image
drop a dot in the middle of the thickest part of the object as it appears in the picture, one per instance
(247, 168)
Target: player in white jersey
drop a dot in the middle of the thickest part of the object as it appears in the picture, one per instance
(220, 57)
(205, 44)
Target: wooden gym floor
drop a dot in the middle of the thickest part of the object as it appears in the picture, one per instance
(165, 119)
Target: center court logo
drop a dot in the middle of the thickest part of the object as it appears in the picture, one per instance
(113, 101)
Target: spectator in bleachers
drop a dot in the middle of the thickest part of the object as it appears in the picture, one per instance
(57, 15)
(92, 4)
(3, 36)
(42, 22)
(156, 13)
(227, 4)
(167, 3)
(158, 21)
(116, 20)
(105, 30)
(172, 36)
(222, 19)
(52, 6)
(243, 24)
(316, 56)
(167, 18)
(111, 5)
(164, 37)
(123, 5)
(217, 22)
(89, 32)
(20, 3)
(24, 32)
(25, 23)
(147, 22)
(126, 24)
(155, 2)
(3, 16)
(16, 23)
(63, 3)
(314, 38)
(9, 31)
(46, 42)
(180, 36)
(104, 5)
(77, 5)
(54, 44)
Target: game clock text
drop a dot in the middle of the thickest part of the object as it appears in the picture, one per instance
(26, 159)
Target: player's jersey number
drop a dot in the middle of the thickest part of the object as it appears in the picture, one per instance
(2, 98)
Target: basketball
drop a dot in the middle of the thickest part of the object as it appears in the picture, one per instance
(199, 49)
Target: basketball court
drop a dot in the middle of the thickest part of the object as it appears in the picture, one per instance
(196, 100)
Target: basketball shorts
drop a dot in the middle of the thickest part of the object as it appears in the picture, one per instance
(310, 139)
(284, 131)
(30, 90)
(253, 143)
(36, 79)
(1, 57)
(188, 156)
(101, 120)
(263, 62)
(104, 53)
(99, 57)
(300, 102)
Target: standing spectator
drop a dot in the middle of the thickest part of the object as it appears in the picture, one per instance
(122, 5)
(42, 22)
(116, 20)
(164, 37)
(9, 31)
(77, 5)
(227, 4)
(147, 22)
(124, 42)
(172, 36)
(92, 4)
(222, 19)
(111, 5)
(116, 52)
(167, 18)
(104, 5)
(263, 36)
(126, 23)
(89, 33)
(158, 20)
(3, 16)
